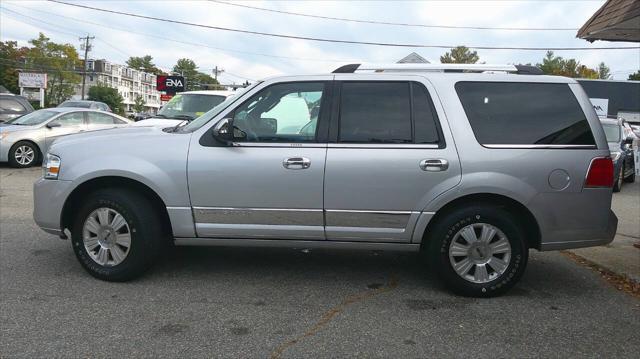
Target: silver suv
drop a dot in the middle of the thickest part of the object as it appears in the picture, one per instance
(472, 164)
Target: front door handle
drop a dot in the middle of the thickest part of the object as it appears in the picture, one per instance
(435, 165)
(296, 163)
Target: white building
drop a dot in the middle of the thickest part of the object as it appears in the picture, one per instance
(130, 83)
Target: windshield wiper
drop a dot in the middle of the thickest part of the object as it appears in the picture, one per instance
(159, 115)
(183, 117)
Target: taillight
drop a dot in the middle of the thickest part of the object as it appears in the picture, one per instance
(600, 173)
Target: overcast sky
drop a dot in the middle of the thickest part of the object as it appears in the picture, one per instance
(255, 57)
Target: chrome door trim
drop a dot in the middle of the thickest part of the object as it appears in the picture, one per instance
(313, 244)
(541, 146)
(258, 216)
(381, 146)
(280, 145)
(368, 211)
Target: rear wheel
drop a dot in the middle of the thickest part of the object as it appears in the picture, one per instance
(117, 234)
(478, 251)
(23, 154)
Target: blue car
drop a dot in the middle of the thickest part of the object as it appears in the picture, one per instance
(621, 152)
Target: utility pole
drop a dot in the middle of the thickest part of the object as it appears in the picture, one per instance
(217, 72)
(87, 48)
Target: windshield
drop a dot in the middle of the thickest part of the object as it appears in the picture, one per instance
(612, 132)
(75, 104)
(34, 118)
(202, 120)
(189, 105)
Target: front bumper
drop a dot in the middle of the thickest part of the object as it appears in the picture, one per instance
(49, 197)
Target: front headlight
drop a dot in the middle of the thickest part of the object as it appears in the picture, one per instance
(615, 156)
(52, 167)
(3, 135)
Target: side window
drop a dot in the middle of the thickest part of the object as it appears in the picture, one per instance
(7, 104)
(281, 113)
(424, 116)
(375, 112)
(71, 119)
(524, 113)
(98, 118)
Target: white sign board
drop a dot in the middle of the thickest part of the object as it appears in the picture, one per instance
(32, 79)
(601, 105)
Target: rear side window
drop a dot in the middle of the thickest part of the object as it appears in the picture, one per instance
(524, 113)
(11, 105)
(387, 112)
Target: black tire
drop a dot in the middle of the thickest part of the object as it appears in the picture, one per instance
(631, 178)
(145, 228)
(13, 162)
(444, 231)
(617, 185)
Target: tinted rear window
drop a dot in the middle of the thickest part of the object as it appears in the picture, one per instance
(524, 113)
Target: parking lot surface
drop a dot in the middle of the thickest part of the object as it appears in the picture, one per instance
(291, 303)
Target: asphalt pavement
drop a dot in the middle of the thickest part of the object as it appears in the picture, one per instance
(259, 303)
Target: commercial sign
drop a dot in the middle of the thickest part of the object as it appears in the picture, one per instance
(32, 80)
(601, 105)
(164, 97)
(170, 84)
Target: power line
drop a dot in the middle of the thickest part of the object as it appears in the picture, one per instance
(110, 27)
(353, 42)
(395, 23)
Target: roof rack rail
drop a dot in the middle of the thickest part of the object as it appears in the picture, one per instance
(518, 69)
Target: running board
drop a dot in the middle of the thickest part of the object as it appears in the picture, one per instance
(285, 243)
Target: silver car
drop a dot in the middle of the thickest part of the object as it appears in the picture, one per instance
(24, 140)
(474, 165)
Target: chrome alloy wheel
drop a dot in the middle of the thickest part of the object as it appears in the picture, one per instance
(24, 155)
(480, 253)
(106, 236)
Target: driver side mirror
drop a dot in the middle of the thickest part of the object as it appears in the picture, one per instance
(53, 124)
(226, 133)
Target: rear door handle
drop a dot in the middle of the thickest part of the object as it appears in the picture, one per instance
(434, 165)
(296, 163)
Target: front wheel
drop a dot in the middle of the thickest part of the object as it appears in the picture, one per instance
(116, 234)
(617, 186)
(478, 251)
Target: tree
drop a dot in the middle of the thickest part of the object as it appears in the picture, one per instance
(11, 57)
(604, 72)
(60, 62)
(144, 63)
(460, 55)
(195, 80)
(138, 104)
(634, 76)
(108, 95)
(556, 65)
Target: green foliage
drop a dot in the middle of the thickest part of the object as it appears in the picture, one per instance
(460, 55)
(10, 58)
(634, 76)
(108, 95)
(556, 65)
(138, 104)
(604, 72)
(195, 80)
(60, 62)
(144, 63)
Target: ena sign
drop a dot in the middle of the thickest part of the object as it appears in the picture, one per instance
(170, 84)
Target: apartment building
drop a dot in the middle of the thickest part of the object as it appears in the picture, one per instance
(129, 82)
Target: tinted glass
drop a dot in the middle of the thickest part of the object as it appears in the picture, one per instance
(96, 118)
(7, 104)
(34, 118)
(189, 106)
(424, 115)
(281, 113)
(524, 113)
(375, 112)
(71, 119)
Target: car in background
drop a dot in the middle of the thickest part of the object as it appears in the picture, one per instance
(12, 106)
(25, 140)
(93, 105)
(620, 143)
(185, 107)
